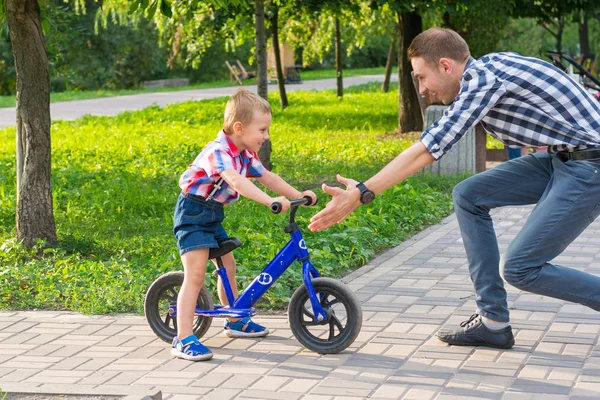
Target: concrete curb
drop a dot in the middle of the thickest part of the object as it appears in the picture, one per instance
(155, 396)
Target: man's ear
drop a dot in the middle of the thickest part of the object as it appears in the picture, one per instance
(237, 127)
(446, 66)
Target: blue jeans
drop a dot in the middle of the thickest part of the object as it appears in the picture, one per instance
(568, 200)
(197, 223)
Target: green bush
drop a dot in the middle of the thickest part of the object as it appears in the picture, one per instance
(115, 186)
(119, 57)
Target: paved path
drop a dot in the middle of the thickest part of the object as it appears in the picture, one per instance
(70, 110)
(407, 294)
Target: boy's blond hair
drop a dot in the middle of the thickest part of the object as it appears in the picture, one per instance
(241, 107)
(437, 43)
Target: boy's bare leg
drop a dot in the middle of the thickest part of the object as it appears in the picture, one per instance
(230, 267)
(249, 328)
(194, 268)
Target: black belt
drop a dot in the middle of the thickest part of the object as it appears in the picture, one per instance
(587, 154)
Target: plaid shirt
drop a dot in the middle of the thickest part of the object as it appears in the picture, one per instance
(218, 156)
(521, 101)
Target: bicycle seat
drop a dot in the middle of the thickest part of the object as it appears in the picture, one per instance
(224, 247)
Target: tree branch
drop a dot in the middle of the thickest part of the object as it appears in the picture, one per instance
(549, 30)
(553, 22)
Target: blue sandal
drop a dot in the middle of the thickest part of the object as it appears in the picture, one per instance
(191, 349)
(245, 327)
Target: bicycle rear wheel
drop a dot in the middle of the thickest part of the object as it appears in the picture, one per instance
(343, 322)
(161, 294)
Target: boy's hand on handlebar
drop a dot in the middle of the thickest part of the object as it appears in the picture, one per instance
(312, 195)
(285, 203)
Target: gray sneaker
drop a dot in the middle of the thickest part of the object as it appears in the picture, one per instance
(474, 333)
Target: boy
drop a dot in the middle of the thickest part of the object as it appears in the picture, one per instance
(217, 177)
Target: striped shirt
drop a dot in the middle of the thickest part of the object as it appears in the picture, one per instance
(521, 101)
(218, 156)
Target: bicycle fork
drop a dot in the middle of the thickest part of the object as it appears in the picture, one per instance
(308, 273)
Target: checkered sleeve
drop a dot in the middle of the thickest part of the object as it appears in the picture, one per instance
(255, 169)
(220, 160)
(480, 90)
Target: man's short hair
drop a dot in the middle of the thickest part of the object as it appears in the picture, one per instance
(437, 43)
(241, 107)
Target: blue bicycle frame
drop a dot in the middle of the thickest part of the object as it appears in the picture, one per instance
(295, 249)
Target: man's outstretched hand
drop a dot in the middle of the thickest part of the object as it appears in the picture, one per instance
(342, 203)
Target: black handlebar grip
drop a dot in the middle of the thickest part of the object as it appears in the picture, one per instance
(276, 207)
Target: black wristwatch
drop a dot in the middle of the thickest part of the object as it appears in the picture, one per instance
(366, 195)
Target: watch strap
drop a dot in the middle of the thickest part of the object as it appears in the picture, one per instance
(362, 187)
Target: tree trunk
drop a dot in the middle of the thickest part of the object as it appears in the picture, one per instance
(35, 219)
(446, 20)
(559, 34)
(261, 71)
(261, 50)
(280, 80)
(409, 113)
(560, 25)
(338, 58)
(389, 63)
(584, 36)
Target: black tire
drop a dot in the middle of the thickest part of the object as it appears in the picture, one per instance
(344, 315)
(161, 294)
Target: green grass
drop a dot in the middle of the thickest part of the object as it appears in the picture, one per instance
(115, 186)
(9, 101)
(330, 73)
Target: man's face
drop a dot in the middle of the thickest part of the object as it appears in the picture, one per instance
(439, 81)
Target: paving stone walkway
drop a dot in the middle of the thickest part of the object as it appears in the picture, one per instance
(407, 295)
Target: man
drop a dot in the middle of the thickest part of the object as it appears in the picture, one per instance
(523, 102)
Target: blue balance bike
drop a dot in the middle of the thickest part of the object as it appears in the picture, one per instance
(325, 315)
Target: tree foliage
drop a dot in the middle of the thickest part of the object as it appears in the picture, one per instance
(553, 15)
(188, 28)
(548, 10)
(313, 28)
(476, 21)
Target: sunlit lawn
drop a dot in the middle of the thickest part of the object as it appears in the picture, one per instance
(115, 186)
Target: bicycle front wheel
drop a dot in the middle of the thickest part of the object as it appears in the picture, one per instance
(342, 324)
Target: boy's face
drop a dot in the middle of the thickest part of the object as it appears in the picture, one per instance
(254, 134)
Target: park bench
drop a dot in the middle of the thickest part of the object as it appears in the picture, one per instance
(237, 72)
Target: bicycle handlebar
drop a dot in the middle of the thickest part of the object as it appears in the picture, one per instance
(306, 200)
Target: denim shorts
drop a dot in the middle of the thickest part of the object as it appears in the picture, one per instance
(197, 223)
